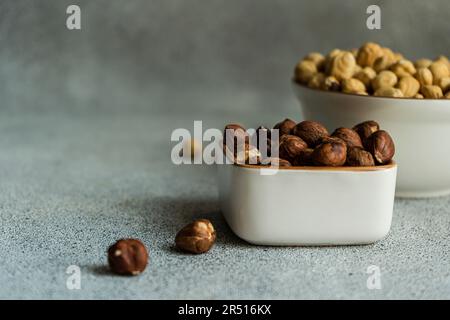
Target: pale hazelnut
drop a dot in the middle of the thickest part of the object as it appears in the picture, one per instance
(403, 68)
(384, 79)
(317, 58)
(444, 83)
(331, 84)
(353, 86)
(423, 63)
(382, 63)
(439, 70)
(388, 92)
(432, 92)
(366, 75)
(343, 65)
(409, 86)
(447, 95)
(304, 71)
(368, 53)
(317, 81)
(418, 96)
(311, 132)
(424, 76)
(329, 59)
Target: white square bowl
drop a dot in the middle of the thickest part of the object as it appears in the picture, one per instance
(303, 206)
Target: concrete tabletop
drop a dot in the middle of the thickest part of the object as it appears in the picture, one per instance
(72, 184)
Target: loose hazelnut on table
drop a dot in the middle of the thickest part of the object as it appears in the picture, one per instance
(311, 132)
(197, 237)
(358, 157)
(127, 257)
(366, 129)
(381, 146)
(285, 126)
(290, 147)
(331, 152)
(349, 136)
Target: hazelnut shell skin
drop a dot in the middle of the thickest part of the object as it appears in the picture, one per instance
(366, 129)
(127, 257)
(358, 157)
(331, 152)
(381, 146)
(349, 136)
(304, 158)
(290, 147)
(311, 132)
(285, 126)
(196, 237)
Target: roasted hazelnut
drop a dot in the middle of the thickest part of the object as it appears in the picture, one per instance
(127, 257)
(343, 65)
(197, 237)
(331, 152)
(311, 132)
(304, 71)
(331, 84)
(304, 158)
(235, 132)
(353, 86)
(368, 53)
(358, 157)
(388, 92)
(275, 162)
(349, 136)
(384, 79)
(424, 76)
(432, 92)
(381, 146)
(366, 129)
(290, 147)
(285, 126)
(409, 86)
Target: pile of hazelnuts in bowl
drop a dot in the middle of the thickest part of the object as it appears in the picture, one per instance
(309, 143)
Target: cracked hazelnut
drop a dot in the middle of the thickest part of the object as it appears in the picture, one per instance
(343, 65)
(349, 136)
(311, 132)
(358, 157)
(384, 79)
(432, 92)
(381, 146)
(197, 237)
(368, 53)
(290, 147)
(332, 152)
(366, 129)
(409, 86)
(304, 71)
(127, 257)
(285, 126)
(424, 76)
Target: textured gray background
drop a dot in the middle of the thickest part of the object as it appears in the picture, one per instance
(85, 123)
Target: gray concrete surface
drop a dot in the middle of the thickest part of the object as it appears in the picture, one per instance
(85, 123)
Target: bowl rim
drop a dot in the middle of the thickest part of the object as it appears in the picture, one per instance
(364, 96)
(390, 165)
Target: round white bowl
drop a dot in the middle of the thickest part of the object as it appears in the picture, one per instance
(420, 129)
(308, 205)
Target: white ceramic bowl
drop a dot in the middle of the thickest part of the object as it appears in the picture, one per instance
(308, 205)
(420, 129)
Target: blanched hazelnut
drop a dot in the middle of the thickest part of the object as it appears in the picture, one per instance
(432, 92)
(409, 86)
(311, 132)
(290, 147)
(384, 79)
(439, 70)
(343, 65)
(317, 81)
(366, 129)
(423, 63)
(349, 136)
(329, 59)
(285, 126)
(382, 63)
(388, 92)
(424, 76)
(353, 86)
(197, 237)
(444, 83)
(358, 157)
(366, 76)
(304, 71)
(331, 84)
(368, 53)
(403, 68)
(127, 257)
(381, 146)
(331, 152)
(317, 58)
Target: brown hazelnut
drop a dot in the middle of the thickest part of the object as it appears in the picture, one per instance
(285, 126)
(235, 132)
(349, 136)
(127, 257)
(311, 132)
(358, 157)
(332, 152)
(382, 147)
(247, 154)
(290, 147)
(276, 162)
(197, 237)
(305, 158)
(366, 129)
